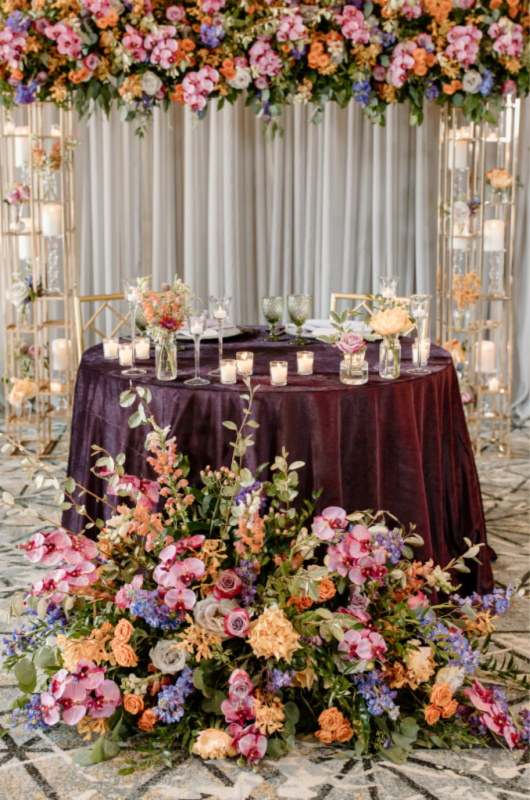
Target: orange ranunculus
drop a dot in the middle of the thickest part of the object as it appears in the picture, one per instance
(124, 654)
(451, 88)
(110, 21)
(331, 719)
(431, 59)
(133, 704)
(450, 709)
(441, 695)
(315, 52)
(228, 69)
(17, 74)
(123, 631)
(432, 715)
(326, 590)
(326, 737)
(420, 61)
(439, 9)
(147, 721)
(344, 733)
(187, 45)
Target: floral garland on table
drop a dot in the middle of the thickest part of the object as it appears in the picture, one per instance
(212, 624)
(378, 52)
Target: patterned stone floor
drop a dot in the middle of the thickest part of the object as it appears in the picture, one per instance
(36, 766)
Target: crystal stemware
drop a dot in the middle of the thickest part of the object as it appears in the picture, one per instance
(197, 319)
(388, 287)
(419, 311)
(299, 307)
(272, 311)
(132, 295)
(220, 309)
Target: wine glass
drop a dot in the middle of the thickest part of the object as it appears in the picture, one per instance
(132, 295)
(220, 309)
(299, 307)
(272, 311)
(419, 311)
(197, 319)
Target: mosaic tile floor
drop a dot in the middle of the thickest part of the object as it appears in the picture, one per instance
(36, 766)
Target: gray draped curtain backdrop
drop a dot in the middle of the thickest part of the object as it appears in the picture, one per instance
(325, 208)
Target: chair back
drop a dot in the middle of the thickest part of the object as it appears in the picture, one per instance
(362, 303)
(103, 303)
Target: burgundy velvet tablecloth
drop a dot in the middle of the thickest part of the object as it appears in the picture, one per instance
(399, 445)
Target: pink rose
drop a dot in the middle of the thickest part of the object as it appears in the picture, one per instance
(418, 600)
(12, 197)
(379, 73)
(227, 585)
(240, 685)
(237, 622)
(175, 13)
(350, 342)
(91, 61)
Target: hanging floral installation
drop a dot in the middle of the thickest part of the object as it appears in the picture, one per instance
(143, 54)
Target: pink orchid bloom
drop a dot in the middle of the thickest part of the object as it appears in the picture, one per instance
(180, 600)
(291, 28)
(212, 6)
(264, 57)
(353, 25)
(333, 519)
(362, 570)
(107, 700)
(240, 686)
(60, 681)
(181, 574)
(54, 586)
(358, 540)
(123, 597)
(144, 493)
(362, 645)
(133, 41)
(253, 746)
(74, 703)
(481, 697)
(50, 708)
(88, 675)
(239, 711)
(82, 574)
(47, 548)
(80, 549)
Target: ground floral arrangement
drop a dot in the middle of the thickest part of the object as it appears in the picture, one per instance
(232, 621)
(148, 53)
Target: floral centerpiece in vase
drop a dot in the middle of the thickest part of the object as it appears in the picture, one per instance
(165, 313)
(500, 182)
(466, 291)
(389, 323)
(354, 368)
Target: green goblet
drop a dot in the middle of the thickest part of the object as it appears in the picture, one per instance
(272, 311)
(299, 307)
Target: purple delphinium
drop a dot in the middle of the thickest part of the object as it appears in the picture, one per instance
(279, 680)
(361, 91)
(149, 607)
(248, 577)
(171, 700)
(498, 601)
(524, 716)
(393, 543)
(30, 715)
(212, 35)
(378, 696)
(255, 487)
(25, 95)
(432, 92)
(487, 83)
(18, 22)
(454, 642)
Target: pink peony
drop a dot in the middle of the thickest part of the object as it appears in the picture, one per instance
(237, 622)
(227, 585)
(333, 519)
(74, 703)
(351, 342)
(106, 701)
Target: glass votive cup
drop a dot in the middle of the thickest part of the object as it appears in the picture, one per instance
(111, 347)
(421, 351)
(141, 348)
(228, 367)
(278, 371)
(304, 362)
(125, 355)
(388, 286)
(245, 362)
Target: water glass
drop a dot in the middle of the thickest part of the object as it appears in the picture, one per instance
(299, 307)
(272, 311)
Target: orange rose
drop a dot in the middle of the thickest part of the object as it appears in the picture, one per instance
(441, 694)
(301, 603)
(315, 52)
(450, 709)
(133, 704)
(326, 737)
(124, 654)
(432, 715)
(495, 4)
(147, 721)
(439, 9)
(187, 45)
(451, 88)
(17, 74)
(344, 733)
(123, 631)
(228, 69)
(331, 719)
(178, 97)
(326, 590)
(420, 61)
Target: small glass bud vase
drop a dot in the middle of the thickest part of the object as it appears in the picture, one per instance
(354, 369)
(166, 360)
(390, 357)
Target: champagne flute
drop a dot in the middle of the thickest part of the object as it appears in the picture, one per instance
(299, 307)
(419, 311)
(220, 309)
(197, 319)
(272, 310)
(132, 295)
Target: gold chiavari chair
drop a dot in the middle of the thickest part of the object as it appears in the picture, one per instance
(104, 303)
(362, 303)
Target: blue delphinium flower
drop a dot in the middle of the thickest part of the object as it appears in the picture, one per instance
(432, 92)
(498, 602)
(524, 716)
(147, 606)
(256, 487)
(30, 715)
(393, 543)
(487, 83)
(455, 642)
(279, 680)
(212, 35)
(25, 95)
(171, 699)
(388, 39)
(249, 577)
(378, 696)
(18, 22)
(361, 91)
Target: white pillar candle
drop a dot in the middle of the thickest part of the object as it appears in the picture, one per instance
(494, 384)
(460, 154)
(278, 373)
(304, 362)
(141, 348)
(493, 235)
(55, 130)
(60, 354)
(485, 355)
(9, 128)
(52, 219)
(21, 145)
(110, 348)
(125, 355)
(228, 368)
(245, 362)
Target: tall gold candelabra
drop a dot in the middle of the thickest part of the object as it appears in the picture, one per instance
(38, 266)
(477, 203)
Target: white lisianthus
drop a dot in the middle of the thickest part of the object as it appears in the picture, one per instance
(460, 212)
(471, 82)
(242, 79)
(454, 676)
(167, 656)
(151, 83)
(210, 614)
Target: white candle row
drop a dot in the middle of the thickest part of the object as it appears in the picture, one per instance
(112, 350)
